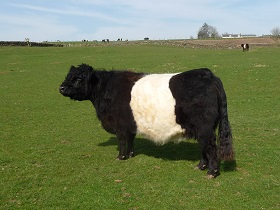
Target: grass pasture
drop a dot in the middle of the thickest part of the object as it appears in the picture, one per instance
(55, 155)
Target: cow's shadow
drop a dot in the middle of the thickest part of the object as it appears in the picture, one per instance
(185, 150)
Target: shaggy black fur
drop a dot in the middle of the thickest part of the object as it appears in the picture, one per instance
(109, 92)
(200, 108)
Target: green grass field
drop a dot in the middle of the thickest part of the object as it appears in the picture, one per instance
(55, 155)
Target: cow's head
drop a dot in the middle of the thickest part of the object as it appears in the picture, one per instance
(78, 83)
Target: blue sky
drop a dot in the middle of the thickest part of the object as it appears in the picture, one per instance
(65, 20)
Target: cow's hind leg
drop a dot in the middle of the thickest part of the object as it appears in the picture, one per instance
(203, 164)
(207, 140)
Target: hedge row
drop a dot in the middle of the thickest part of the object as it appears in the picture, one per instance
(31, 44)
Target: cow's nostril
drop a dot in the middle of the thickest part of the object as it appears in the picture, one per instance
(61, 89)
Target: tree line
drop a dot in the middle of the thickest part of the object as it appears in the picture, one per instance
(207, 31)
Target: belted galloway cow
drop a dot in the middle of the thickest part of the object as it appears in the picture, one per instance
(245, 47)
(161, 107)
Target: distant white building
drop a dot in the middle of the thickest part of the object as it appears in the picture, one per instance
(230, 36)
(248, 35)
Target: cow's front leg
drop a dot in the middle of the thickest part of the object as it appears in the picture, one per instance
(130, 146)
(122, 148)
(126, 146)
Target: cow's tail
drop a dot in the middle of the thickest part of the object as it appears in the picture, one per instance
(226, 151)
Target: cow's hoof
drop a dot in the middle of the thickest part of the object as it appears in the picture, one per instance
(130, 155)
(209, 176)
(213, 174)
(121, 157)
(201, 166)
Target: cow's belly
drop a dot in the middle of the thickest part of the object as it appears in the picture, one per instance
(153, 107)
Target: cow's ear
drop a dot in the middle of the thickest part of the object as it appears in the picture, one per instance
(72, 68)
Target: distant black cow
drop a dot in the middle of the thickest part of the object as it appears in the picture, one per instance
(162, 107)
(245, 47)
(105, 40)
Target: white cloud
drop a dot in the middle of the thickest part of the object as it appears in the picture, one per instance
(37, 28)
(69, 11)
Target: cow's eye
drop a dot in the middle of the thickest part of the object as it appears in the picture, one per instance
(77, 82)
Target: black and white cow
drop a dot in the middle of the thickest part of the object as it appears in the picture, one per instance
(245, 47)
(162, 107)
